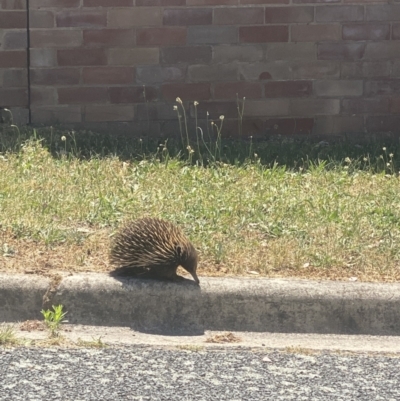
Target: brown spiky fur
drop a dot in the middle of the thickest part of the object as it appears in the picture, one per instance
(155, 245)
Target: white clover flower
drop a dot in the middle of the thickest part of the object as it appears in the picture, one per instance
(196, 103)
(384, 149)
(63, 138)
(221, 117)
(178, 99)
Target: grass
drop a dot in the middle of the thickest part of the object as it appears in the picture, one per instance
(278, 209)
(8, 337)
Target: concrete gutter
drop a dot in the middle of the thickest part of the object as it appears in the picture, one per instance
(233, 304)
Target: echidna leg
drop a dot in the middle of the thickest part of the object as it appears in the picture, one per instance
(169, 273)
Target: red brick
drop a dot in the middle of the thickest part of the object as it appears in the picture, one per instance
(315, 1)
(383, 50)
(80, 18)
(395, 105)
(187, 54)
(212, 34)
(55, 76)
(251, 71)
(15, 78)
(276, 15)
(383, 123)
(264, 1)
(58, 4)
(13, 59)
(43, 57)
(289, 126)
(396, 31)
(133, 94)
(319, 69)
(331, 125)
(108, 113)
(339, 13)
(12, 19)
(75, 57)
(161, 36)
(267, 107)
(248, 127)
(108, 75)
(56, 38)
(160, 3)
(238, 15)
(288, 88)
(200, 91)
(365, 69)
(12, 4)
(187, 16)
(383, 12)
(230, 90)
(14, 39)
(58, 114)
(108, 3)
(382, 87)
(43, 96)
(291, 51)
(135, 17)
(41, 19)
(13, 97)
(213, 72)
(215, 109)
(211, 2)
(155, 74)
(341, 51)
(82, 95)
(316, 33)
(336, 88)
(133, 56)
(366, 32)
(109, 37)
(365, 106)
(312, 107)
(262, 34)
(241, 53)
(365, 1)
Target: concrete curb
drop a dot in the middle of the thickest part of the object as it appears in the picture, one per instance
(235, 304)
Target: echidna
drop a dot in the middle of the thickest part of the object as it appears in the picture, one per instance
(154, 245)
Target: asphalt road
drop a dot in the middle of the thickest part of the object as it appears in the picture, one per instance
(149, 373)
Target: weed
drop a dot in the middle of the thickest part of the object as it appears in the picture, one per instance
(94, 343)
(7, 336)
(53, 319)
(191, 347)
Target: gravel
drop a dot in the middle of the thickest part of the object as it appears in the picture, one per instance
(149, 373)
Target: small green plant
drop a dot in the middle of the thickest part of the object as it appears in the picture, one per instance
(94, 343)
(54, 318)
(7, 336)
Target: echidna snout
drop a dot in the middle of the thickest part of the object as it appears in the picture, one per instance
(189, 263)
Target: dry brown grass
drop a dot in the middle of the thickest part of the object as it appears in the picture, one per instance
(223, 338)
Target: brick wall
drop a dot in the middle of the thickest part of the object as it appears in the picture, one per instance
(13, 58)
(320, 66)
